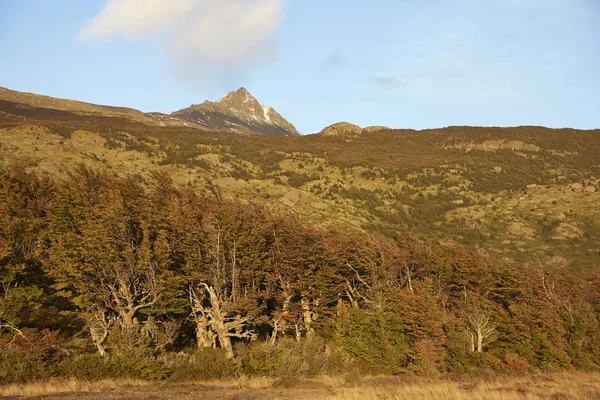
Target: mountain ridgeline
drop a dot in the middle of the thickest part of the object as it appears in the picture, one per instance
(216, 241)
(237, 112)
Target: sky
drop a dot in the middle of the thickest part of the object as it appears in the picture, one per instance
(398, 63)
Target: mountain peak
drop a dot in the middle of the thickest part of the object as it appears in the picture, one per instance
(238, 111)
(240, 95)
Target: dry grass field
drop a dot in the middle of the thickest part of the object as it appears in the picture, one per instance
(560, 386)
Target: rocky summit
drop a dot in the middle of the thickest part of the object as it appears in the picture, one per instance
(239, 112)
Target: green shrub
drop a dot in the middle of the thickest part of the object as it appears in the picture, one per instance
(296, 180)
(289, 358)
(137, 363)
(30, 357)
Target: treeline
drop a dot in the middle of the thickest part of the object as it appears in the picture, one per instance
(121, 277)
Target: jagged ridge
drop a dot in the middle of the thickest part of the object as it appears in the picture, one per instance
(240, 112)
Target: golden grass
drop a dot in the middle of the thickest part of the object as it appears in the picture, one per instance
(560, 386)
(68, 386)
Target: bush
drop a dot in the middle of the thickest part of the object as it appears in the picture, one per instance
(30, 357)
(288, 358)
(374, 338)
(125, 363)
(203, 364)
(428, 358)
(296, 180)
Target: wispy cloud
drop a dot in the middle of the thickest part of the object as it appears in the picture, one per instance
(333, 61)
(386, 82)
(202, 38)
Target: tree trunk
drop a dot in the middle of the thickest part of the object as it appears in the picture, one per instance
(218, 323)
(285, 310)
(205, 338)
(409, 280)
(307, 316)
(99, 339)
(99, 325)
(273, 338)
(215, 323)
(224, 338)
(128, 318)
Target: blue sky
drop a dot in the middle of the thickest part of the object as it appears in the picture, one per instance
(403, 64)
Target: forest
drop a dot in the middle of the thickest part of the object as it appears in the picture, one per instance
(129, 277)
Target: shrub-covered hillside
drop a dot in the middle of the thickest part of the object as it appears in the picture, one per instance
(106, 276)
(526, 195)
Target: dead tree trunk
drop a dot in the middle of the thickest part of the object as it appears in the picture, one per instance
(280, 322)
(128, 290)
(482, 331)
(353, 293)
(220, 323)
(99, 324)
(307, 316)
(205, 336)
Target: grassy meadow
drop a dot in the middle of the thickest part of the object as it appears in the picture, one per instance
(559, 386)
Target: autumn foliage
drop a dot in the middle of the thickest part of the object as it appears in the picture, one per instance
(126, 277)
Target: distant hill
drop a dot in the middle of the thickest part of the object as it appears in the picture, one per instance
(39, 101)
(348, 130)
(236, 112)
(528, 195)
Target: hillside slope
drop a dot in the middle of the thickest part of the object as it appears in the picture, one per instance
(237, 112)
(527, 195)
(40, 101)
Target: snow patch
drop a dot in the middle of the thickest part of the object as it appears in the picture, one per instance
(266, 113)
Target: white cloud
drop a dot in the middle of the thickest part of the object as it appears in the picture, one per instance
(202, 37)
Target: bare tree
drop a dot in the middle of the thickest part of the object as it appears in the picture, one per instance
(12, 328)
(205, 336)
(99, 322)
(283, 293)
(352, 290)
(481, 331)
(308, 314)
(162, 333)
(280, 318)
(127, 289)
(223, 321)
(220, 308)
